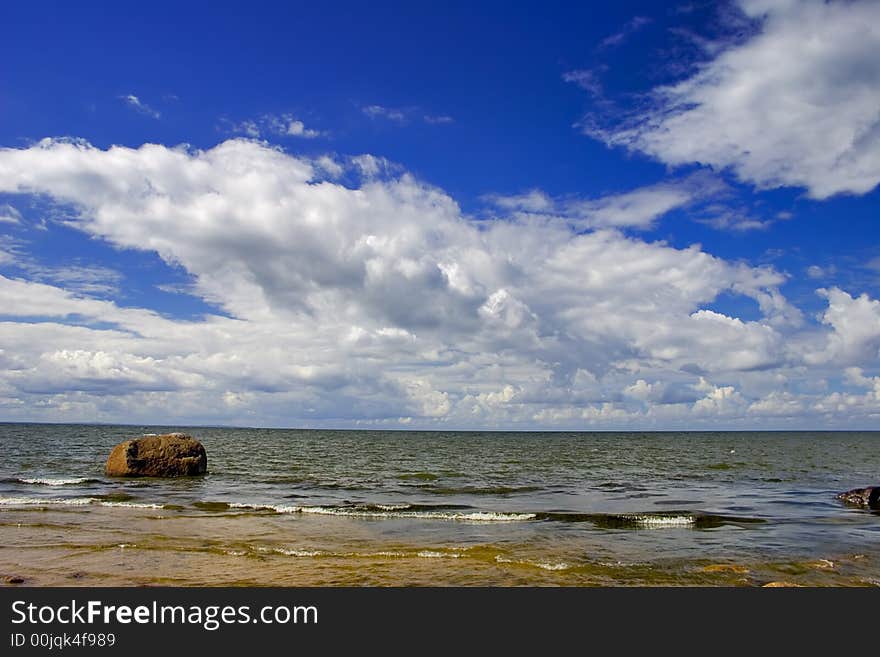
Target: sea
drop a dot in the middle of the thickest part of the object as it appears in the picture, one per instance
(282, 507)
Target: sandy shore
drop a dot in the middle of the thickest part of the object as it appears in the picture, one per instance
(114, 546)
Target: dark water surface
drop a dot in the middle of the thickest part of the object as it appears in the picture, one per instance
(300, 507)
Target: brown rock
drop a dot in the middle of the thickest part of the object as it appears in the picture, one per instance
(13, 579)
(869, 497)
(724, 568)
(168, 455)
(781, 585)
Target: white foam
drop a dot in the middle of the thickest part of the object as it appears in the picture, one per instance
(75, 501)
(299, 553)
(130, 505)
(395, 554)
(477, 516)
(389, 511)
(552, 566)
(32, 501)
(254, 507)
(495, 517)
(53, 481)
(660, 521)
(431, 554)
(537, 564)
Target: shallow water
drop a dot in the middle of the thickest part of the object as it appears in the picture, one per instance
(285, 507)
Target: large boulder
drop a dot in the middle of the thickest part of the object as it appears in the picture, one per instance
(168, 455)
(869, 497)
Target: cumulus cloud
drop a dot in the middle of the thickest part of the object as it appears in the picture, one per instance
(380, 301)
(855, 323)
(795, 104)
(298, 129)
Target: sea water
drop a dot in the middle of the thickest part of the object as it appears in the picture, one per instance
(304, 507)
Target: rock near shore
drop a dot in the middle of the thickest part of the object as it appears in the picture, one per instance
(869, 497)
(168, 455)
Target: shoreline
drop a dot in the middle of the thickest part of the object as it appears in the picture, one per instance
(143, 547)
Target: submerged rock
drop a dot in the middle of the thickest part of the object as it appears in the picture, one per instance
(724, 568)
(168, 455)
(869, 497)
(781, 585)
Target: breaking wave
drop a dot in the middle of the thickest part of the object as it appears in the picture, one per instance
(56, 481)
(424, 512)
(650, 520)
(454, 512)
(73, 501)
(442, 512)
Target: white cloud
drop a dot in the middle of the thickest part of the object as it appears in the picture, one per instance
(381, 112)
(644, 391)
(298, 129)
(734, 219)
(586, 79)
(9, 214)
(138, 105)
(631, 27)
(855, 335)
(532, 201)
(638, 208)
(77, 278)
(816, 272)
(778, 404)
(281, 125)
(796, 104)
(403, 115)
(856, 377)
(247, 127)
(439, 119)
(719, 400)
(383, 301)
(330, 166)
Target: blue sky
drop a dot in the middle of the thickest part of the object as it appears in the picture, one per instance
(547, 215)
